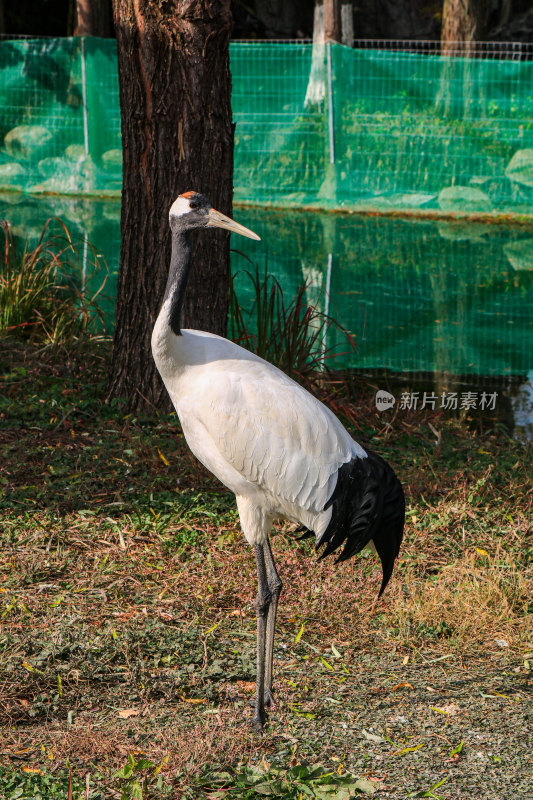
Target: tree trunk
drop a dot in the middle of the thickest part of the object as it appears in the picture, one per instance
(316, 87)
(332, 20)
(463, 24)
(93, 18)
(347, 23)
(177, 135)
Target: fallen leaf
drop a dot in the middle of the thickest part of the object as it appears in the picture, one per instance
(194, 700)
(505, 696)
(365, 786)
(408, 749)
(162, 457)
(305, 714)
(246, 686)
(372, 737)
(126, 713)
(213, 627)
(403, 685)
(455, 752)
(449, 708)
(429, 792)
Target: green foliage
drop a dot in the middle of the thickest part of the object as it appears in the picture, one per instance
(139, 779)
(296, 783)
(43, 290)
(35, 784)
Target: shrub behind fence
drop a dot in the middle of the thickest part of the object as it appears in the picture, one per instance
(316, 125)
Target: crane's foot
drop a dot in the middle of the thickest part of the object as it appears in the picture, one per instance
(268, 699)
(258, 725)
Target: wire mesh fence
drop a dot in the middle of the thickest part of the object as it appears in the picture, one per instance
(384, 125)
(514, 51)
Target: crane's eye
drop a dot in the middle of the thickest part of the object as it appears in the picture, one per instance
(193, 204)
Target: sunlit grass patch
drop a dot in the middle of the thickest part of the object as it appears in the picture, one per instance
(478, 601)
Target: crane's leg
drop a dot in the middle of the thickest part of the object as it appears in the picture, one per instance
(263, 601)
(275, 585)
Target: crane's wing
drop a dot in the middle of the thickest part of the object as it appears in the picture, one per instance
(269, 429)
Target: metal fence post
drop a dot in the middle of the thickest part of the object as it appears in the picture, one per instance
(330, 108)
(326, 310)
(86, 143)
(84, 94)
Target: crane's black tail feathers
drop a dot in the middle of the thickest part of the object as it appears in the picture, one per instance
(368, 503)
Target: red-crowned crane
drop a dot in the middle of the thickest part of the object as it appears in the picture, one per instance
(278, 448)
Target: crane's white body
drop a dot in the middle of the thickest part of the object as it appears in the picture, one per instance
(281, 451)
(266, 438)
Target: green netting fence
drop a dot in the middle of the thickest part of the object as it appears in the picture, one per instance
(316, 125)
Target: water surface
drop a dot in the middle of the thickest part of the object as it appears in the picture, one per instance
(422, 298)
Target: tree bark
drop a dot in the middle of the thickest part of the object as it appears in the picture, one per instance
(332, 20)
(347, 23)
(463, 24)
(177, 135)
(93, 18)
(316, 87)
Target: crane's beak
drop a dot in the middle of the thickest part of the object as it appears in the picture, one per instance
(217, 220)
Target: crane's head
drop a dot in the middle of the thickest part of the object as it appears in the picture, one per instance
(193, 210)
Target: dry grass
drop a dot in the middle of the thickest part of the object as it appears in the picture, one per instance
(474, 603)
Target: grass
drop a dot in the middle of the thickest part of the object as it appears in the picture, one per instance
(291, 335)
(127, 626)
(44, 292)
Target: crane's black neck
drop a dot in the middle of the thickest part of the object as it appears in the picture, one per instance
(178, 273)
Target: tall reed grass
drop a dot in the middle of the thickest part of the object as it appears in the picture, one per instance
(288, 333)
(293, 335)
(44, 290)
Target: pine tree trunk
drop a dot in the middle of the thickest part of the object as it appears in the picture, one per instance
(177, 135)
(332, 20)
(93, 18)
(463, 24)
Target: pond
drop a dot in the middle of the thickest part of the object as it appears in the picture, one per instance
(443, 305)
